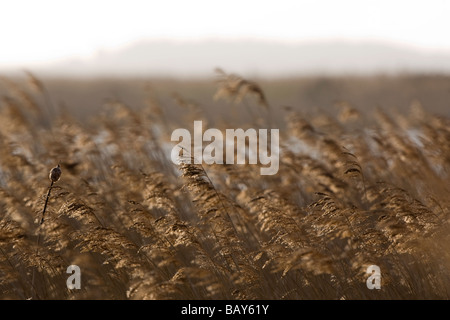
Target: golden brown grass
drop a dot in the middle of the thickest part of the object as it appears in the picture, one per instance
(352, 190)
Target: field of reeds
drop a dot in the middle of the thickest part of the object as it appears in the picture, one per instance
(354, 188)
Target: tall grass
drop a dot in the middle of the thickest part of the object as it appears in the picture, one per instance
(353, 190)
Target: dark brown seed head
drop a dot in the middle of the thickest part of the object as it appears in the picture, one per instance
(55, 173)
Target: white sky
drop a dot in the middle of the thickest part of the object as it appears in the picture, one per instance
(33, 32)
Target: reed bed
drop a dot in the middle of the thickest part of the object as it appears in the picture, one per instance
(353, 190)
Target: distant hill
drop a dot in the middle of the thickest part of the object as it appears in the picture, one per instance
(256, 58)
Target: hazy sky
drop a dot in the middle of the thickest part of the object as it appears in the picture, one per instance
(33, 32)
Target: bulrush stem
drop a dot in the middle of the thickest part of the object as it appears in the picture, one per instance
(39, 234)
(46, 201)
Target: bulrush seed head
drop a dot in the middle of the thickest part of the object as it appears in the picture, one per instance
(55, 173)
